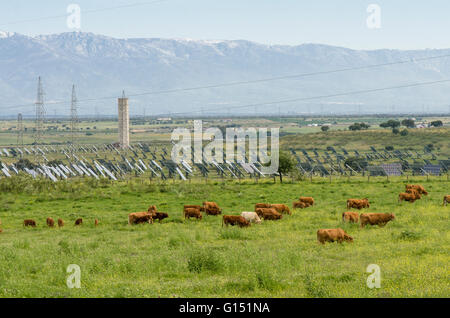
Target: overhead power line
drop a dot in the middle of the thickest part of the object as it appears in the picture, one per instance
(84, 12)
(302, 99)
(219, 85)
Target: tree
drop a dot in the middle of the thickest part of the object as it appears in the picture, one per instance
(408, 123)
(404, 132)
(286, 164)
(389, 148)
(390, 124)
(325, 128)
(437, 123)
(359, 126)
(395, 131)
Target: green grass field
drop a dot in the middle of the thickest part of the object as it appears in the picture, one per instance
(201, 259)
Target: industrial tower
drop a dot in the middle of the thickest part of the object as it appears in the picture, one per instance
(40, 115)
(19, 130)
(124, 122)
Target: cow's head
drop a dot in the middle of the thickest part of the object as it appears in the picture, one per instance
(348, 238)
(392, 216)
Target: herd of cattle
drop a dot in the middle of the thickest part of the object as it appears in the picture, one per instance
(267, 211)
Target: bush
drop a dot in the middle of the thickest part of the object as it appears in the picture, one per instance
(389, 148)
(395, 131)
(404, 132)
(325, 128)
(201, 261)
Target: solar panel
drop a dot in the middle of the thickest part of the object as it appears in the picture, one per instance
(434, 170)
(392, 169)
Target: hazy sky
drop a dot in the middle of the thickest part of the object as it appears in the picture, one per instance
(405, 24)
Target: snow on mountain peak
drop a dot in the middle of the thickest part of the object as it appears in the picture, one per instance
(5, 34)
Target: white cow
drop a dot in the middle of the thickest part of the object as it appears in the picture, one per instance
(252, 217)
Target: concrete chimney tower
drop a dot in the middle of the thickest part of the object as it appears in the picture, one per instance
(124, 122)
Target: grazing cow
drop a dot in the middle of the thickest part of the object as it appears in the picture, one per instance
(60, 223)
(333, 235)
(308, 200)
(140, 217)
(417, 187)
(211, 208)
(160, 216)
(199, 207)
(50, 222)
(281, 208)
(376, 218)
(271, 214)
(358, 203)
(260, 211)
(29, 222)
(350, 217)
(252, 217)
(262, 206)
(446, 199)
(78, 221)
(192, 213)
(235, 220)
(299, 205)
(410, 197)
(96, 222)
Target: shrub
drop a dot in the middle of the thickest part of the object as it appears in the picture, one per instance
(200, 261)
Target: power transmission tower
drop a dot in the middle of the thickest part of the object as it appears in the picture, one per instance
(40, 115)
(19, 130)
(73, 119)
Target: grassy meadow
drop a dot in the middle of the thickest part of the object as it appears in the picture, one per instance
(179, 258)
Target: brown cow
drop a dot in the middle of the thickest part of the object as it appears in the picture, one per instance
(270, 214)
(281, 208)
(358, 203)
(211, 208)
(352, 217)
(376, 218)
(262, 206)
(260, 211)
(78, 221)
(308, 200)
(160, 216)
(192, 213)
(29, 222)
(299, 205)
(417, 187)
(50, 222)
(410, 197)
(235, 220)
(446, 199)
(140, 217)
(60, 223)
(333, 235)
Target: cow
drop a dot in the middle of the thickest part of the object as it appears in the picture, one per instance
(380, 219)
(446, 199)
(333, 235)
(29, 222)
(270, 214)
(60, 223)
(199, 207)
(211, 208)
(152, 209)
(299, 205)
(192, 213)
(235, 220)
(78, 221)
(358, 203)
(352, 217)
(281, 208)
(308, 200)
(50, 222)
(262, 206)
(252, 217)
(160, 216)
(96, 222)
(260, 211)
(417, 187)
(140, 217)
(410, 197)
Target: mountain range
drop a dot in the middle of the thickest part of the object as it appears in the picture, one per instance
(102, 67)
